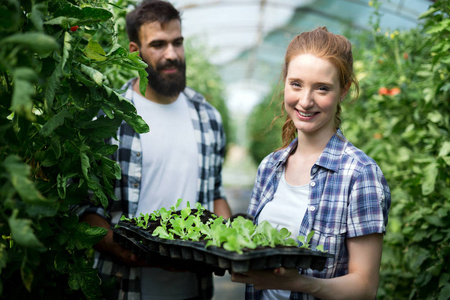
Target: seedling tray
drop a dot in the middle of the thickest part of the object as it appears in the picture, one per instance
(193, 256)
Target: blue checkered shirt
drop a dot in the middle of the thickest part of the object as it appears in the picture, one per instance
(348, 197)
(211, 144)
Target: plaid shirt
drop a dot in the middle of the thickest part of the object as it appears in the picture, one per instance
(348, 197)
(211, 143)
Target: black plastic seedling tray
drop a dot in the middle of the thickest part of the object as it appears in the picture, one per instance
(193, 256)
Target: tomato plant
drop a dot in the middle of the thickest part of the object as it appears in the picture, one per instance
(52, 154)
(406, 130)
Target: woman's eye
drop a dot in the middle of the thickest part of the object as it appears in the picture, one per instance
(323, 88)
(295, 84)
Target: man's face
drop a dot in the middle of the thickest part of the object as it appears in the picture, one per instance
(162, 49)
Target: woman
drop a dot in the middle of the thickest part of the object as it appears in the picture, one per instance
(320, 182)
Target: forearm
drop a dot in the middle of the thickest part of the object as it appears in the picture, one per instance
(221, 208)
(351, 286)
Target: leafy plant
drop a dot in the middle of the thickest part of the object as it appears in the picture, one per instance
(235, 235)
(407, 133)
(52, 150)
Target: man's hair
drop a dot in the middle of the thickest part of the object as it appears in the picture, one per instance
(147, 12)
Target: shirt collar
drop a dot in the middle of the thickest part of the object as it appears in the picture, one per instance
(332, 153)
(329, 158)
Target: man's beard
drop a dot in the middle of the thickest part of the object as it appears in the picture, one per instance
(168, 85)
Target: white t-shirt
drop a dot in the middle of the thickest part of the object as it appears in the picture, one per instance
(169, 172)
(287, 209)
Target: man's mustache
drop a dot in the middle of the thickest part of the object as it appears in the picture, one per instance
(168, 64)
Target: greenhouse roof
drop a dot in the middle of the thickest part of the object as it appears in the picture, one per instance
(248, 38)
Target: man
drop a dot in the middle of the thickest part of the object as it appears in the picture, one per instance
(181, 157)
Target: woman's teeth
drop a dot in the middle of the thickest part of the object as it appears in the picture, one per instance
(305, 114)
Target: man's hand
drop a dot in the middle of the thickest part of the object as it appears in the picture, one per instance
(107, 245)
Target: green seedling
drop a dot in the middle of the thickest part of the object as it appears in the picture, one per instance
(235, 235)
(306, 241)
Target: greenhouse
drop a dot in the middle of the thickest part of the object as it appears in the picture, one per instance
(93, 143)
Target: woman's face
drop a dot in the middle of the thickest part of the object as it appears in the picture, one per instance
(311, 95)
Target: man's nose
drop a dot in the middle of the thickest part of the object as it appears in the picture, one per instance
(170, 53)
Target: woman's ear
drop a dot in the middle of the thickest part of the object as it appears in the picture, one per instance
(133, 47)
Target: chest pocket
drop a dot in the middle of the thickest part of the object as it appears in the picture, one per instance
(328, 210)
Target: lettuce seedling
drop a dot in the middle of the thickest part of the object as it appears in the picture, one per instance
(161, 232)
(306, 240)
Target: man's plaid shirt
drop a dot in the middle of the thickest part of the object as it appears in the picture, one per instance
(211, 144)
(348, 197)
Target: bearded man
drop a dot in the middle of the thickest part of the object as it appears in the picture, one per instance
(180, 157)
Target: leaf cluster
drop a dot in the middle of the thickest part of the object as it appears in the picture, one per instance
(56, 110)
(407, 133)
(236, 235)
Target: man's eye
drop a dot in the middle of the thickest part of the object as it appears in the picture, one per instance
(178, 43)
(157, 45)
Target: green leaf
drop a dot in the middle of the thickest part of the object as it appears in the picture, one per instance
(143, 81)
(18, 174)
(435, 220)
(10, 14)
(92, 73)
(85, 236)
(39, 43)
(22, 102)
(83, 276)
(55, 122)
(445, 149)
(430, 173)
(86, 15)
(444, 293)
(66, 49)
(27, 275)
(137, 60)
(37, 16)
(94, 51)
(62, 21)
(103, 127)
(53, 84)
(3, 257)
(85, 164)
(23, 233)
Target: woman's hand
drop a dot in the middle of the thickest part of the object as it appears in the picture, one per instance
(279, 278)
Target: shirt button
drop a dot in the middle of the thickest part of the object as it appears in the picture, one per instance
(136, 185)
(312, 208)
(138, 154)
(313, 183)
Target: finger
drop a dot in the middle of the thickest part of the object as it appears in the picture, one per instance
(279, 271)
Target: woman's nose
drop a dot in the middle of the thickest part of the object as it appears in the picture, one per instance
(306, 99)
